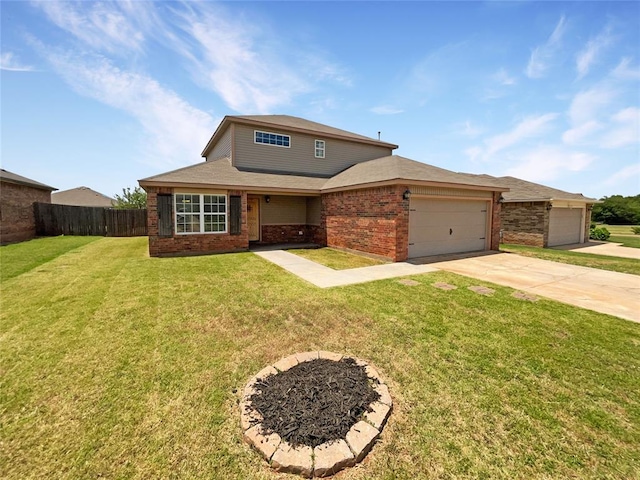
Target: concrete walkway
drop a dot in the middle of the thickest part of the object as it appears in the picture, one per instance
(601, 248)
(325, 277)
(600, 290)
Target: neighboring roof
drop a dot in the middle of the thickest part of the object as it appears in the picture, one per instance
(83, 197)
(386, 170)
(395, 167)
(10, 177)
(294, 124)
(523, 191)
(223, 175)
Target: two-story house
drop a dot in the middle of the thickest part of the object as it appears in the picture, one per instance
(282, 179)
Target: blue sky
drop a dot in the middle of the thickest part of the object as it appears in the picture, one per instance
(104, 93)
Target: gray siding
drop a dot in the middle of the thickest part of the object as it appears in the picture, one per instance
(283, 210)
(222, 149)
(300, 158)
(314, 206)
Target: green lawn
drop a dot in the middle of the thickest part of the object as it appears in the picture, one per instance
(117, 365)
(337, 259)
(603, 262)
(626, 241)
(619, 229)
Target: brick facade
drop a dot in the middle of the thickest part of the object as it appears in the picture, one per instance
(17, 219)
(372, 220)
(525, 223)
(496, 226)
(287, 234)
(196, 243)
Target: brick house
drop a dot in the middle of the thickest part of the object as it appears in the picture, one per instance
(541, 216)
(17, 196)
(270, 179)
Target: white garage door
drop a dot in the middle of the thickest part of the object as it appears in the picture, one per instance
(438, 227)
(565, 226)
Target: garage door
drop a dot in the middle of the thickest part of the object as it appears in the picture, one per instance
(565, 226)
(438, 227)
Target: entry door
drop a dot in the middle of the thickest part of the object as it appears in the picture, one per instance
(438, 227)
(253, 219)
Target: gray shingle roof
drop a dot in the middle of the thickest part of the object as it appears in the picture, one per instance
(293, 124)
(221, 174)
(395, 167)
(524, 191)
(20, 180)
(83, 197)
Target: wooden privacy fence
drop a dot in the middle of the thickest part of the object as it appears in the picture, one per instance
(52, 219)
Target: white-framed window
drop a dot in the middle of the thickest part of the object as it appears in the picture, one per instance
(320, 148)
(268, 138)
(200, 213)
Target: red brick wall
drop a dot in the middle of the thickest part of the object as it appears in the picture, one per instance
(192, 244)
(286, 234)
(373, 220)
(17, 219)
(525, 223)
(495, 222)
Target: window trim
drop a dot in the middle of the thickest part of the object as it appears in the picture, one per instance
(271, 144)
(316, 148)
(202, 213)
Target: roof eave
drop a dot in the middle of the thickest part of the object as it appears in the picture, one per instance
(408, 181)
(221, 186)
(29, 184)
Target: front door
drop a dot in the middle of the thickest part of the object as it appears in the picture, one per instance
(253, 219)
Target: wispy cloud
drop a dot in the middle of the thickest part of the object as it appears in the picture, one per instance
(625, 129)
(246, 64)
(386, 110)
(528, 128)
(587, 104)
(111, 26)
(630, 172)
(175, 129)
(548, 162)
(625, 71)
(579, 134)
(542, 55)
(502, 77)
(10, 63)
(594, 47)
(468, 129)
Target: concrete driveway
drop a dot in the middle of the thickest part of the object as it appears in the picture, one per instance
(602, 248)
(599, 290)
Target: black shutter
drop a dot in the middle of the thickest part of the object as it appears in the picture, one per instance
(165, 215)
(235, 214)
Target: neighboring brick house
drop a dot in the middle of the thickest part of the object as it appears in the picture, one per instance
(82, 197)
(17, 196)
(541, 216)
(283, 179)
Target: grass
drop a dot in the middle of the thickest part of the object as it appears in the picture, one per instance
(337, 259)
(117, 365)
(603, 262)
(626, 241)
(619, 229)
(14, 261)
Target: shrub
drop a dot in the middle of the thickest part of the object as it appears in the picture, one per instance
(599, 234)
(635, 230)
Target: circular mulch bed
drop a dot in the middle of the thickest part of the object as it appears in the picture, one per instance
(315, 413)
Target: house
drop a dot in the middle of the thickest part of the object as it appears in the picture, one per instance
(82, 197)
(281, 179)
(541, 216)
(17, 196)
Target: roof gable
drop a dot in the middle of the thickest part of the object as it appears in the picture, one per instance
(82, 196)
(524, 191)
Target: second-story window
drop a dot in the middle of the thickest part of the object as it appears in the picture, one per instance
(320, 148)
(272, 139)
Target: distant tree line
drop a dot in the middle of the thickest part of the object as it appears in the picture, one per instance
(617, 210)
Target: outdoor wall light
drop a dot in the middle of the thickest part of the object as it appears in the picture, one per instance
(407, 194)
(549, 206)
(267, 198)
(501, 199)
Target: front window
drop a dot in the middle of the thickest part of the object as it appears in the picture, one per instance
(268, 138)
(320, 149)
(201, 213)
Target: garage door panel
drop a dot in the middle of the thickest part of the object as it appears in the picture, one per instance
(565, 226)
(446, 226)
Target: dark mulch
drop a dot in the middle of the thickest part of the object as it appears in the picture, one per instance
(314, 402)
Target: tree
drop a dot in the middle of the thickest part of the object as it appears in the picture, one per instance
(131, 199)
(618, 210)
